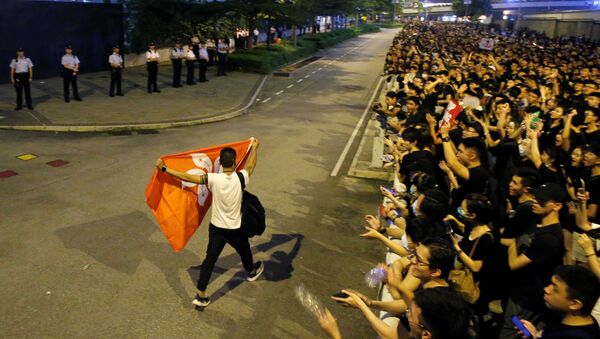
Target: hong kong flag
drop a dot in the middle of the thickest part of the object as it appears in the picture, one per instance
(179, 206)
(450, 113)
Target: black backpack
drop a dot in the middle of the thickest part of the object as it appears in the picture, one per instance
(253, 213)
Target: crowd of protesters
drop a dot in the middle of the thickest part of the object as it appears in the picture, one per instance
(495, 210)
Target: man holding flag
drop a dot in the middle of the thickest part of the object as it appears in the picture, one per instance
(226, 219)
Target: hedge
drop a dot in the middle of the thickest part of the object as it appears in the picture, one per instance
(265, 59)
(390, 25)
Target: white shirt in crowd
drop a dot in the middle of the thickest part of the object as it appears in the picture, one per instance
(223, 47)
(152, 54)
(226, 199)
(203, 53)
(189, 55)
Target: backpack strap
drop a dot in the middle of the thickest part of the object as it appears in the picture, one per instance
(477, 241)
(242, 181)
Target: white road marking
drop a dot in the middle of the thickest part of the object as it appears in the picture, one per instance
(308, 76)
(279, 92)
(300, 80)
(290, 86)
(267, 99)
(313, 72)
(320, 68)
(340, 161)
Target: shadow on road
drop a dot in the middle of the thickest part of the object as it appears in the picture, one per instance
(122, 242)
(277, 268)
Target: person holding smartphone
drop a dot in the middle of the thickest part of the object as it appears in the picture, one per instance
(572, 292)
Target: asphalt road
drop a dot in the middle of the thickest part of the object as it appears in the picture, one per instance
(82, 257)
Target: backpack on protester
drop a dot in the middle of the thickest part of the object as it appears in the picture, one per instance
(463, 281)
(253, 213)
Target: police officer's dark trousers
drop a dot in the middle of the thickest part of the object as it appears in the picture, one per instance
(69, 79)
(189, 64)
(203, 67)
(115, 81)
(22, 83)
(221, 63)
(152, 76)
(176, 72)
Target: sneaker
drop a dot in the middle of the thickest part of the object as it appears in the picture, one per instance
(201, 302)
(258, 270)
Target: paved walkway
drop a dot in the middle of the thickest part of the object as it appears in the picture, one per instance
(221, 97)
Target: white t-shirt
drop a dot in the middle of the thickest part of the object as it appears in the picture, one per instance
(226, 199)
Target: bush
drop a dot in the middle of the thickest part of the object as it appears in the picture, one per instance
(265, 59)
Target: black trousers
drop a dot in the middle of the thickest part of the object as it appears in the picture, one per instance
(221, 63)
(152, 76)
(189, 64)
(22, 83)
(176, 72)
(203, 67)
(217, 239)
(211, 56)
(69, 78)
(115, 80)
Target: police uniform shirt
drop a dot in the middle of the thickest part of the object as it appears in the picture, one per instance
(152, 55)
(222, 48)
(190, 55)
(115, 59)
(70, 61)
(203, 53)
(21, 64)
(177, 53)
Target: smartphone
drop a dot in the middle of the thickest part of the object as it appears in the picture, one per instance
(520, 326)
(582, 184)
(340, 295)
(536, 119)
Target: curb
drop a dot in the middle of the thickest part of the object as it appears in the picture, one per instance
(142, 126)
(362, 169)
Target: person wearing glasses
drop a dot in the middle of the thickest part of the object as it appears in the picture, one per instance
(430, 264)
(425, 292)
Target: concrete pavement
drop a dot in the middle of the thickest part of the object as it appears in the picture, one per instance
(220, 98)
(82, 257)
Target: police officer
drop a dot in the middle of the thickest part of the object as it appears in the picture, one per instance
(21, 74)
(152, 57)
(70, 69)
(203, 57)
(177, 56)
(115, 60)
(222, 50)
(190, 60)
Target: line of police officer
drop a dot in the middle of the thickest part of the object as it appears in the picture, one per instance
(21, 70)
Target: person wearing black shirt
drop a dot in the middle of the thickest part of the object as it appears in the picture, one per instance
(466, 164)
(533, 257)
(521, 220)
(414, 114)
(591, 160)
(573, 291)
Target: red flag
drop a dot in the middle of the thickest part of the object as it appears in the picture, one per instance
(452, 111)
(179, 206)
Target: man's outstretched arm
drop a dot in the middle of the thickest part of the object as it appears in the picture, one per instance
(197, 179)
